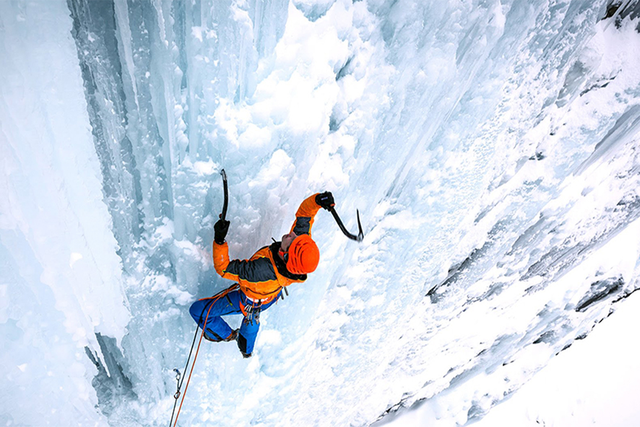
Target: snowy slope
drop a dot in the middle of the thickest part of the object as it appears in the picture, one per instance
(593, 383)
(490, 146)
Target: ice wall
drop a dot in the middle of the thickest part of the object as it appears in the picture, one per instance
(60, 276)
(490, 146)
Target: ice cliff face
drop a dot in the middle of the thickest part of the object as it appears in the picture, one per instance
(491, 147)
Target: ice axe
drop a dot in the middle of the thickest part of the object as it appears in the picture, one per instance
(223, 215)
(360, 235)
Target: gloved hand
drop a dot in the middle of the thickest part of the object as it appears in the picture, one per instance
(325, 200)
(221, 228)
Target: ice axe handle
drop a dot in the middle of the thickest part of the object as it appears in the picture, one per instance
(360, 235)
(223, 215)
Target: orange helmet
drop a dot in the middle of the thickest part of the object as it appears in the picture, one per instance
(303, 255)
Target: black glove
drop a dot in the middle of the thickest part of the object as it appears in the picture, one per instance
(325, 200)
(221, 228)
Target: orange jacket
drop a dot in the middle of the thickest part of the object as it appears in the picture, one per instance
(264, 275)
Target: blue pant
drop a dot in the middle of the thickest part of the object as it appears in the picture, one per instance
(234, 302)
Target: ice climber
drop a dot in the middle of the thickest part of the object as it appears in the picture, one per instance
(261, 279)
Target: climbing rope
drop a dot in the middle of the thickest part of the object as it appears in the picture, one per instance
(179, 383)
(180, 378)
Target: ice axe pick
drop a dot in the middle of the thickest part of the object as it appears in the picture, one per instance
(223, 215)
(360, 235)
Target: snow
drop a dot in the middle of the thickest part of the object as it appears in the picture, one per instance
(594, 382)
(490, 147)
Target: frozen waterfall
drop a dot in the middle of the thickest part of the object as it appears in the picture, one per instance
(492, 148)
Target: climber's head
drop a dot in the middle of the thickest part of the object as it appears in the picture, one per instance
(300, 253)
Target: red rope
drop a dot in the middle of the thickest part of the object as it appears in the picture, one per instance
(193, 364)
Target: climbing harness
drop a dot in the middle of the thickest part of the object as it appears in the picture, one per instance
(251, 311)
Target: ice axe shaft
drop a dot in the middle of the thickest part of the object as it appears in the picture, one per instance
(360, 235)
(223, 215)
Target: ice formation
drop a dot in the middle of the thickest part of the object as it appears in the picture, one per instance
(490, 146)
